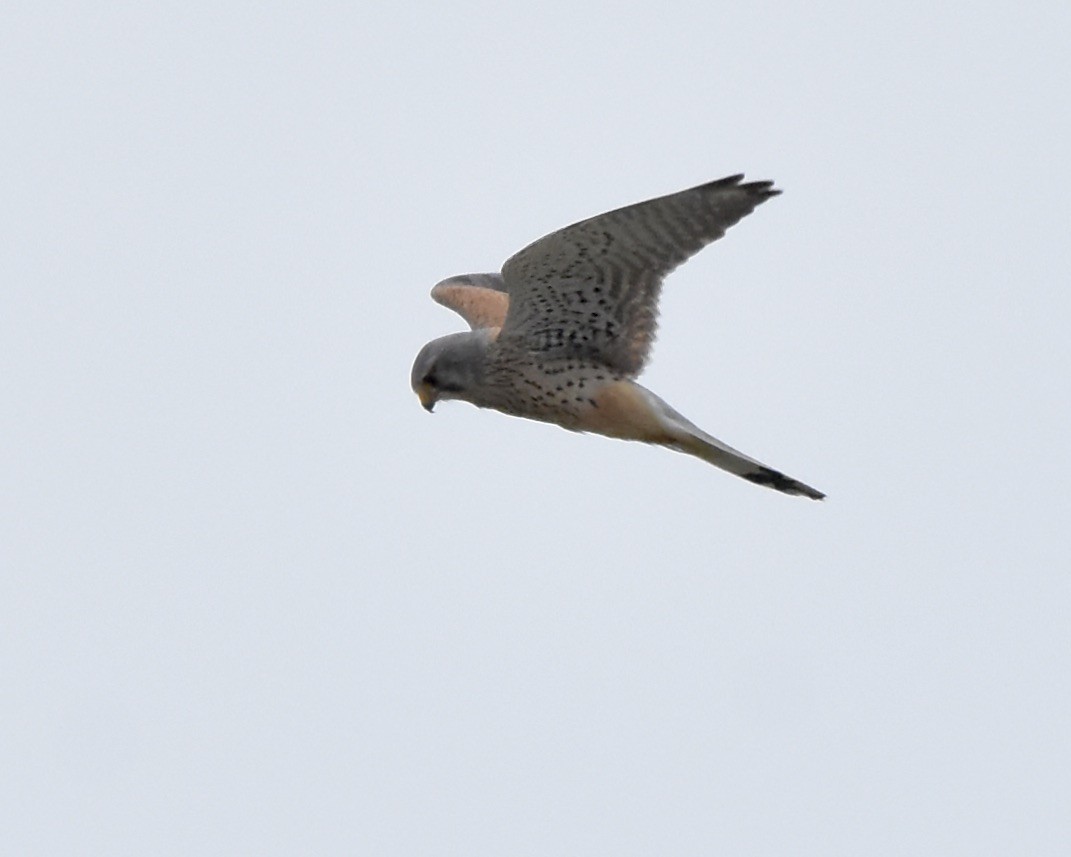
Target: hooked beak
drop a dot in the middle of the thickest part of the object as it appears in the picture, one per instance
(427, 397)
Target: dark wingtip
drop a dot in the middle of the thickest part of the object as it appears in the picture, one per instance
(779, 482)
(728, 180)
(765, 189)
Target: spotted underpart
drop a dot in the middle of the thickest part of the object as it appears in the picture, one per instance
(560, 391)
(562, 332)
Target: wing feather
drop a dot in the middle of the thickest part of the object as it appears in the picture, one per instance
(592, 288)
(480, 299)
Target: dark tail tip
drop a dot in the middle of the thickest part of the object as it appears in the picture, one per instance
(779, 482)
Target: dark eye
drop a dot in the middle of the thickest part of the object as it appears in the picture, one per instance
(431, 380)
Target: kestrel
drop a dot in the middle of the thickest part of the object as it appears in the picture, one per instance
(561, 334)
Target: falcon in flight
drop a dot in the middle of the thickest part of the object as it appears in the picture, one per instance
(561, 334)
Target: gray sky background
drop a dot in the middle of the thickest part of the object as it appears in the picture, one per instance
(255, 601)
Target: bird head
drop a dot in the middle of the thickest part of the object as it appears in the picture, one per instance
(450, 367)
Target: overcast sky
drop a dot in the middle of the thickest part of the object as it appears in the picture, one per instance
(254, 600)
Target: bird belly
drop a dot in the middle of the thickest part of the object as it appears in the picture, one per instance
(624, 410)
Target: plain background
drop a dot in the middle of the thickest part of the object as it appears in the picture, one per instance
(254, 600)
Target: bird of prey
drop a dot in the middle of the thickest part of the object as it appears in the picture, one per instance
(561, 334)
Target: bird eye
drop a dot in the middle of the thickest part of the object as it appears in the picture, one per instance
(431, 380)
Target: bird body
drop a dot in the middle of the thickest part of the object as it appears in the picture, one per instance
(560, 335)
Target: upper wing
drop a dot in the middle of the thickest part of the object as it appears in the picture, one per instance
(592, 288)
(480, 299)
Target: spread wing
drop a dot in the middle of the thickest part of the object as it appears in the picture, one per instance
(591, 289)
(480, 299)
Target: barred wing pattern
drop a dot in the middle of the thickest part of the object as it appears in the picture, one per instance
(591, 289)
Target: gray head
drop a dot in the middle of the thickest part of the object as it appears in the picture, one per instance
(451, 367)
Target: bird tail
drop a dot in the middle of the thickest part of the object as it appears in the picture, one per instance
(715, 452)
(688, 438)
